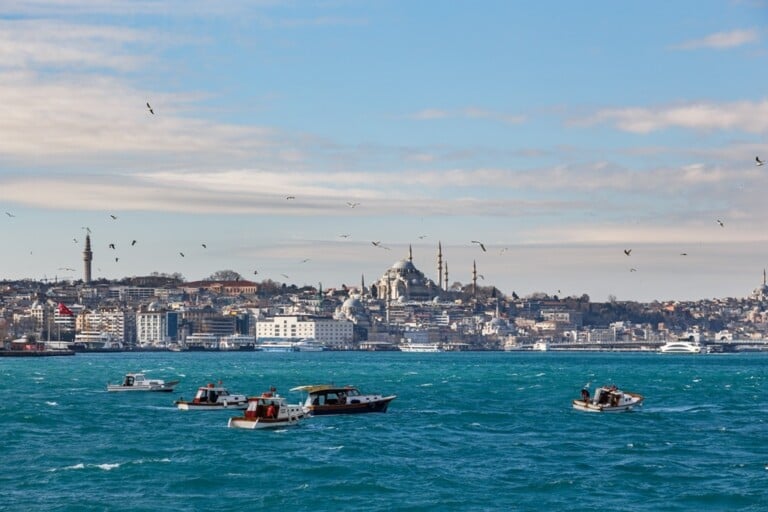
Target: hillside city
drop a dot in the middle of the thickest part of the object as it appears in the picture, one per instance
(402, 310)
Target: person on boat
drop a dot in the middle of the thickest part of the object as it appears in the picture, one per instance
(585, 394)
(271, 411)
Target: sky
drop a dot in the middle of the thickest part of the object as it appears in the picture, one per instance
(288, 136)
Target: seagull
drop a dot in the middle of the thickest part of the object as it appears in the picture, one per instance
(344, 236)
(150, 109)
(627, 251)
(422, 237)
(721, 223)
(352, 204)
(204, 246)
(111, 246)
(117, 259)
(86, 228)
(480, 244)
(683, 254)
(74, 240)
(503, 250)
(758, 162)
(70, 269)
(255, 272)
(9, 214)
(290, 197)
(182, 254)
(285, 276)
(114, 217)
(133, 242)
(304, 260)
(377, 244)
(481, 276)
(633, 270)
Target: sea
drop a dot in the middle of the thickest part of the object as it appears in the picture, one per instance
(469, 431)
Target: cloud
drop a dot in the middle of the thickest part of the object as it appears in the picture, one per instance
(721, 40)
(747, 116)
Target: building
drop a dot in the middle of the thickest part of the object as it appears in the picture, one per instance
(404, 282)
(335, 334)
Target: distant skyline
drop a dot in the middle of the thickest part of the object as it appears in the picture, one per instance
(288, 136)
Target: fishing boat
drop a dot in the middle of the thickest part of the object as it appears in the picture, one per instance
(139, 382)
(326, 399)
(213, 397)
(269, 410)
(608, 399)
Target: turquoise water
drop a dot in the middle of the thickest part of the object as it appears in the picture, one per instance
(468, 431)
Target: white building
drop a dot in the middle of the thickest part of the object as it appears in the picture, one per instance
(335, 334)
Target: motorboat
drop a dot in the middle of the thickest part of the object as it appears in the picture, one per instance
(681, 347)
(269, 410)
(213, 397)
(540, 346)
(309, 345)
(139, 382)
(608, 399)
(412, 346)
(326, 399)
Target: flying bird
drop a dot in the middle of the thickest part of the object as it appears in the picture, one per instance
(114, 217)
(304, 260)
(377, 244)
(9, 214)
(74, 240)
(117, 259)
(480, 244)
(150, 109)
(86, 228)
(204, 246)
(758, 162)
(290, 197)
(111, 246)
(683, 254)
(503, 250)
(422, 237)
(344, 236)
(352, 204)
(182, 254)
(721, 223)
(133, 242)
(633, 270)
(481, 276)
(285, 276)
(627, 251)
(255, 272)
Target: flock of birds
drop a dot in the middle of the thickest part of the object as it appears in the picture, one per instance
(350, 204)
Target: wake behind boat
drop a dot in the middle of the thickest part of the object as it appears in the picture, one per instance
(326, 399)
(139, 382)
(211, 398)
(608, 399)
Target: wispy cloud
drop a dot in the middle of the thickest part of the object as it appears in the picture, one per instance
(721, 40)
(746, 116)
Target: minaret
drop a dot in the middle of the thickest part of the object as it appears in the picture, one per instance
(440, 265)
(446, 275)
(474, 278)
(362, 285)
(87, 258)
(410, 253)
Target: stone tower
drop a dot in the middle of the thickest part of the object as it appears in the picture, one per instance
(87, 258)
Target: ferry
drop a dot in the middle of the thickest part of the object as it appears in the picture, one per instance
(412, 346)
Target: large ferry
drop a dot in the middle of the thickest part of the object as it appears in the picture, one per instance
(412, 346)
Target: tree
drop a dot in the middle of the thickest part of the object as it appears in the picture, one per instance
(224, 275)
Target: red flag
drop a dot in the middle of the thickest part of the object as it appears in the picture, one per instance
(64, 310)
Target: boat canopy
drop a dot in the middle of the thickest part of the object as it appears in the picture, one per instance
(317, 388)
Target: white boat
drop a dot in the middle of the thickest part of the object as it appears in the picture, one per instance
(139, 382)
(269, 410)
(540, 346)
(608, 399)
(213, 397)
(412, 346)
(96, 341)
(309, 345)
(680, 347)
(324, 399)
(276, 346)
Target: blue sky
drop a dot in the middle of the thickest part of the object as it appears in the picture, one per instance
(557, 133)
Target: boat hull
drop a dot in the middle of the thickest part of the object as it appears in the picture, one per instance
(590, 407)
(162, 388)
(262, 423)
(228, 406)
(351, 408)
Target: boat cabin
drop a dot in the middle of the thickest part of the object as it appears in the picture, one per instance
(263, 407)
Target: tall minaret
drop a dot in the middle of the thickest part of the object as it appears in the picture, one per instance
(87, 258)
(474, 278)
(440, 265)
(410, 253)
(446, 275)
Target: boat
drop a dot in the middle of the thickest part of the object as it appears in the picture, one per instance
(211, 398)
(269, 410)
(608, 399)
(26, 347)
(139, 382)
(326, 399)
(540, 346)
(309, 345)
(681, 347)
(412, 346)
(276, 346)
(96, 341)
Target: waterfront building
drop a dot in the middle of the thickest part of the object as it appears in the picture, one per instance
(334, 334)
(156, 327)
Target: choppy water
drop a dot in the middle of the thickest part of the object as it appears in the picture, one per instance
(468, 431)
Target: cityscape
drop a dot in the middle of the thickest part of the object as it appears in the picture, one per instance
(402, 309)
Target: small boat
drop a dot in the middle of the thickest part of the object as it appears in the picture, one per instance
(139, 382)
(329, 399)
(681, 347)
(269, 410)
(213, 397)
(608, 399)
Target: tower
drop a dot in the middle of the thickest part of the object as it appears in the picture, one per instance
(474, 278)
(440, 265)
(87, 258)
(446, 275)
